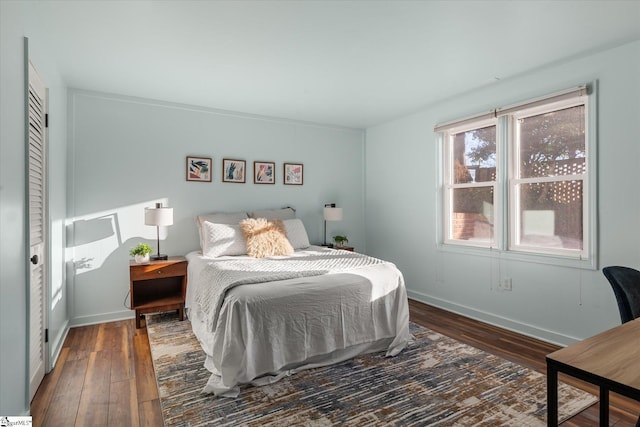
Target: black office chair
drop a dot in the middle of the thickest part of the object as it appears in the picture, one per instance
(625, 282)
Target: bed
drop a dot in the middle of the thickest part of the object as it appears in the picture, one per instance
(259, 319)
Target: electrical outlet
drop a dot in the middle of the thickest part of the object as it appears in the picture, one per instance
(506, 283)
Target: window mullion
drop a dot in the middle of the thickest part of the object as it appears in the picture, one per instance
(502, 182)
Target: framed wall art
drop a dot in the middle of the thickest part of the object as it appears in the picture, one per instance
(293, 173)
(233, 170)
(199, 169)
(264, 173)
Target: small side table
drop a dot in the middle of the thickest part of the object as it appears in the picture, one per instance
(345, 248)
(158, 286)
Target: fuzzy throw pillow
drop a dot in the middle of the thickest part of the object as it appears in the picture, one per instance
(265, 237)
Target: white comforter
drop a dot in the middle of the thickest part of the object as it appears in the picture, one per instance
(260, 319)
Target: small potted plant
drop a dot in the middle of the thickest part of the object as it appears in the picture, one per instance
(340, 240)
(141, 252)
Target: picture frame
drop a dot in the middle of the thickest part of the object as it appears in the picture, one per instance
(199, 169)
(234, 170)
(293, 173)
(264, 172)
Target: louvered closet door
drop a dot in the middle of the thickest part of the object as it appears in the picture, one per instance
(38, 229)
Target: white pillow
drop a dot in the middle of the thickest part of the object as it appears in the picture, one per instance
(218, 218)
(284, 213)
(222, 239)
(296, 233)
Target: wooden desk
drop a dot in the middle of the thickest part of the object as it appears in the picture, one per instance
(610, 360)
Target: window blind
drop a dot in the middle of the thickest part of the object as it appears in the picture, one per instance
(554, 97)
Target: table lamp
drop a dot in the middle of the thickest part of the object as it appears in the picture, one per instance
(158, 216)
(330, 213)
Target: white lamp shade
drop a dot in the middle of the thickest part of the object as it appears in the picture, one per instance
(158, 216)
(332, 214)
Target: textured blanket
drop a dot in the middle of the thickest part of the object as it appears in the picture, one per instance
(224, 274)
(314, 308)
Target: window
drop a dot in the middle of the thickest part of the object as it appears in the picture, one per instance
(518, 179)
(547, 186)
(471, 184)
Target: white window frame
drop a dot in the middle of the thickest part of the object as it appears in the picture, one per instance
(450, 186)
(506, 215)
(515, 181)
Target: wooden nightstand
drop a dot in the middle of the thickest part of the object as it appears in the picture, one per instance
(345, 248)
(158, 286)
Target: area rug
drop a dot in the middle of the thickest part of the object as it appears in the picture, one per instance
(436, 381)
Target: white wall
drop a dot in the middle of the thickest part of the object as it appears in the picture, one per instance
(17, 22)
(58, 321)
(127, 153)
(13, 251)
(554, 303)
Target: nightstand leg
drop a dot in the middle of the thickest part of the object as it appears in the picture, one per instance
(137, 319)
(181, 312)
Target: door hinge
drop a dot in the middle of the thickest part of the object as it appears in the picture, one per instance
(46, 335)
(46, 120)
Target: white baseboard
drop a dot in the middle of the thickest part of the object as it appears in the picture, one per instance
(102, 318)
(495, 320)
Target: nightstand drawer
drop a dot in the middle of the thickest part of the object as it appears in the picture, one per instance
(157, 271)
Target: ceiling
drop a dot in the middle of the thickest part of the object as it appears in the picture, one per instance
(346, 63)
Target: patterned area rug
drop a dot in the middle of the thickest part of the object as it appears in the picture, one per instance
(436, 381)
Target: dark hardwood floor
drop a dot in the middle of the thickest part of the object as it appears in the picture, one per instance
(104, 375)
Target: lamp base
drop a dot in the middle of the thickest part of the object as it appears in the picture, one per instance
(159, 257)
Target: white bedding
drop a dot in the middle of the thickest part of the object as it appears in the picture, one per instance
(260, 319)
